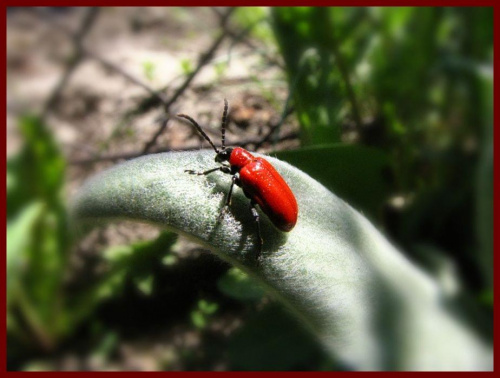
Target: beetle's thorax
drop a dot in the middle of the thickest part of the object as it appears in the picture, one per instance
(240, 157)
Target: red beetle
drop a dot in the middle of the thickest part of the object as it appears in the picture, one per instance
(258, 179)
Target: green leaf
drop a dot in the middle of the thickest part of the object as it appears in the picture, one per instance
(145, 284)
(220, 69)
(136, 261)
(37, 172)
(370, 306)
(206, 307)
(187, 66)
(237, 284)
(198, 319)
(484, 187)
(320, 64)
(19, 237)
(201, 315)
(38, 236)
(272, 340)
(487, 298)
(354, 173)
(254, 20)
(304, 37)
(149, 69)
(107, 345)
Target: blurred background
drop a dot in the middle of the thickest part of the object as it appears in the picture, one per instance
(389, 108)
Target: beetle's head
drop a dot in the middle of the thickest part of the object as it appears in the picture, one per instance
(223, 155)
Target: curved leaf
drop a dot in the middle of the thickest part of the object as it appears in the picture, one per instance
(369, 305)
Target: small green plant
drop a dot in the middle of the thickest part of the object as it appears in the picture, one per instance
(220, 69)
(186, 66)
(254, 21)
(237, 284)
(149, 69)
(38, 241)
(201, 315)
(41, 310)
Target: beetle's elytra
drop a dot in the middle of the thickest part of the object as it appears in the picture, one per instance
(260, 182)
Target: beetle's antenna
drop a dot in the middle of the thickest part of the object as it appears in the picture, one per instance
(195, 124)
(224, 124)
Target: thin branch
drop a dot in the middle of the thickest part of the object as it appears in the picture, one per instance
(202, 61)
(242, 35)
(154, 100)
(86, 25)
(150, 102)
(273, 128)
(45, 16)
(152, 142)
(156, 97)
(131, 155)
(204, 58)
(114, 67)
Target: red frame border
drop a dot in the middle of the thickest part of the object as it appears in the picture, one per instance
(496, 184)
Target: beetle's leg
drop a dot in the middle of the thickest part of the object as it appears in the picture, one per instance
(235, 180)
(256, 218)
(224, 169)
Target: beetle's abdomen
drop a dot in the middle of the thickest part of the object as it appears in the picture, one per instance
(266, 186)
